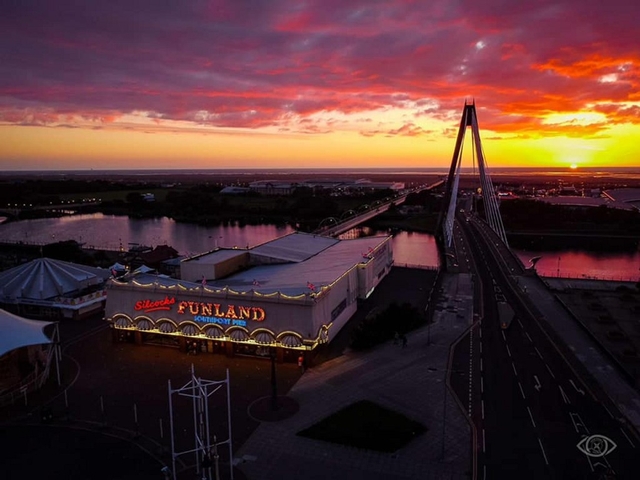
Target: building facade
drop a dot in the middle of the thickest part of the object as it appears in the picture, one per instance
(289, 295)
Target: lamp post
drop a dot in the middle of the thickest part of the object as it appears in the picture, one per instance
(274, 383)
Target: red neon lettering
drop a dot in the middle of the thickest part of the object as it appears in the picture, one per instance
(152, 306)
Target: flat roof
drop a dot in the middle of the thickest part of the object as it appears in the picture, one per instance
(314, 259)
(585, 202)
(216, 256)
(624, 194)
(319, 269)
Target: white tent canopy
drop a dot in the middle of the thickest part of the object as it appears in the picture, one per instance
(143, 269)
(118, 267)
(20, 332)
(45, 278)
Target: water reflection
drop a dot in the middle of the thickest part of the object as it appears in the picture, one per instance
(411, 249)
(111, 232)
(580, 264)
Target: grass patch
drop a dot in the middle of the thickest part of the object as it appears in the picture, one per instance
(366, 425)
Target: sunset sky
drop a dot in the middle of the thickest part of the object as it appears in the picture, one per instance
(319, 83)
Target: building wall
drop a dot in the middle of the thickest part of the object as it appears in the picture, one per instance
(193, 270)
(231, 311)
(336, 306)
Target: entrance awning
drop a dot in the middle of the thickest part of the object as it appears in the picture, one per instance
(20, 332)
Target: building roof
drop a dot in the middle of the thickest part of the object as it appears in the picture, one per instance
(308, 260)
(584, 202)
(45, 278)
(159, 254)
(314, 260)
(216, 256)
(294, 247)
(19, 332)
(623, 194)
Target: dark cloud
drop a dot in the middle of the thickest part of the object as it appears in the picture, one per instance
(241, 63)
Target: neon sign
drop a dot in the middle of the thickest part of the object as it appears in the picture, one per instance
(155, 305)
(232, 312)
(206, 312)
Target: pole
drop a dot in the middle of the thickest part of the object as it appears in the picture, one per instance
(216, 457)
(444, 416)
(58, 353)
(195, 417)
(274, 383)
(135, 419)
(173, 447)
(229, 425)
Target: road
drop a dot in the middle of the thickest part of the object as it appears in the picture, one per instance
(530, 406)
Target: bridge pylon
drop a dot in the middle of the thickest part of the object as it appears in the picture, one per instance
(491, 207)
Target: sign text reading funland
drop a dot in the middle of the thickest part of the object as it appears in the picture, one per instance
(231, 312)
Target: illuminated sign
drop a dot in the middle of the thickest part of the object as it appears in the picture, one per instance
(155, 305)
(232, 312)
(234, 315)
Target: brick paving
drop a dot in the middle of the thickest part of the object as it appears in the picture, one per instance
(410, 381)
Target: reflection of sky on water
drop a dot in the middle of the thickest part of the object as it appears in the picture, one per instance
(574, 264)
(109, 232)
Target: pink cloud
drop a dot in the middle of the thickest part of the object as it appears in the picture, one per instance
(253, 64)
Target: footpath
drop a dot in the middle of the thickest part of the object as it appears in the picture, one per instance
(408, 380)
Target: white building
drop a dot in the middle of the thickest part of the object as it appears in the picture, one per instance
(294, 293)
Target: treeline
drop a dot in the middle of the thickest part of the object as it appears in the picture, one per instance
(304, 209)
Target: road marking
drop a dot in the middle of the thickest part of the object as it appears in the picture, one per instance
(579, 390)
(483, 412)
(480, 333)
(481, 384)
(537, 386)
(514, 368)
(627, 437)
(483, 442)
(484, 472)
(543, 452)
(527, 334)
(480, 348)
(531, 417)
(508, 351)
(520, 323)
(610, 414)
(503, 336)
(564, 396)
(522, 391)
(554, 377)
(481, 364)
(539, 354)
(578, 423)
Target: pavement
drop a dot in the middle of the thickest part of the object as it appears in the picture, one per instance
(408, 380)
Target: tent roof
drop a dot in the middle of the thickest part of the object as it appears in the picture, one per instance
(19, 332)
(45, 278)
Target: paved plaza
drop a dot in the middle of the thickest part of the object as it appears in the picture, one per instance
(410, 381)
(109, 386)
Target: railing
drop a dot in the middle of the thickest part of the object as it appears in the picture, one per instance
(31, 382)
(608, 278)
